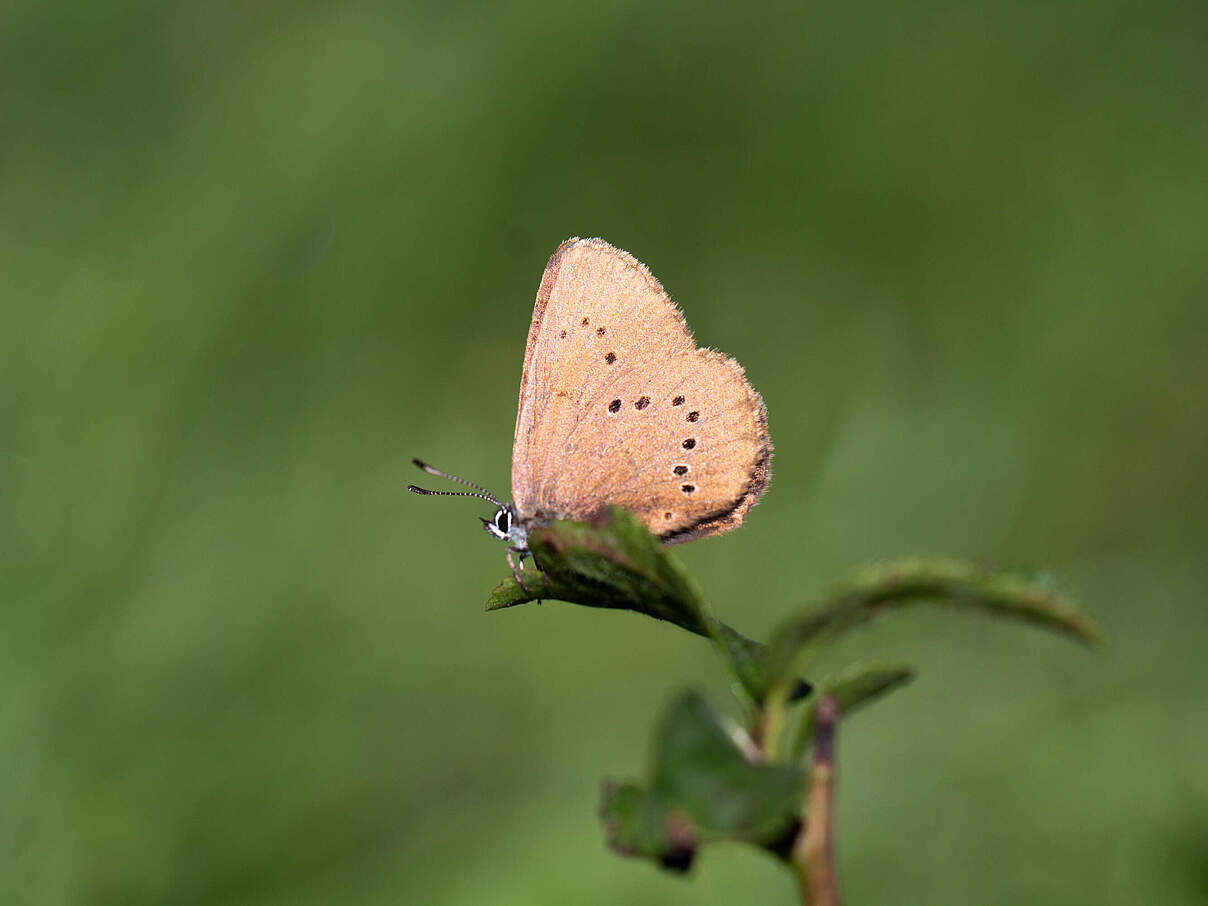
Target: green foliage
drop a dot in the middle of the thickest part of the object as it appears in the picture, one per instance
(703, 788)
(613, 562)
(616, 563)
(879, 588)
(852, 687)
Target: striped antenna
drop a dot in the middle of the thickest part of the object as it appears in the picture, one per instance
(431, 470)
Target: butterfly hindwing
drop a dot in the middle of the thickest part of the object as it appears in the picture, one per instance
(618, 406)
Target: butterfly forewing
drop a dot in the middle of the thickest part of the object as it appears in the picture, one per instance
(618, 406)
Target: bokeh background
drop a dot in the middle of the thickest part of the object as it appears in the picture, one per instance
(255, 257)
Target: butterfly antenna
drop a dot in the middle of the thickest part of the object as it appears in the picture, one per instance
(432, 470)
(415, 490)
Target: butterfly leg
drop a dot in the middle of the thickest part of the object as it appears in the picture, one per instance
(517, 566)
(516, 570)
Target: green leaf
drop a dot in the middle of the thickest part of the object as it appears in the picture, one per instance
(879, 588)
(852, 687)
(746, 660)
(615, 562)
(703, 788)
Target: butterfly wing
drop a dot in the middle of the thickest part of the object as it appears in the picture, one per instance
(618, 406)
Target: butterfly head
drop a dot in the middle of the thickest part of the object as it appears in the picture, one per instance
(506, 525)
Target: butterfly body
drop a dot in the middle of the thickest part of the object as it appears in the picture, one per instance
(619, 407)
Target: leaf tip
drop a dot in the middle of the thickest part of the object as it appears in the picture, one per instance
(681, 842)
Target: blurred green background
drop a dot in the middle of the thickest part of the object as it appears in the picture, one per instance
(256, 257)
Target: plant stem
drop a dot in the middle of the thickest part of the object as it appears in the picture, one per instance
(770, 724)
(814, 854)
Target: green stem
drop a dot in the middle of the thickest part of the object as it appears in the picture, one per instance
(770, 725)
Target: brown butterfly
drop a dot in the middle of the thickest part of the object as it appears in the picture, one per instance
(618, 406)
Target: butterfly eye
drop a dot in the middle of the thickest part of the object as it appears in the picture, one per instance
(501, 520)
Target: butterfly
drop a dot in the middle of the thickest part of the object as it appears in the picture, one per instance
(619, 407)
